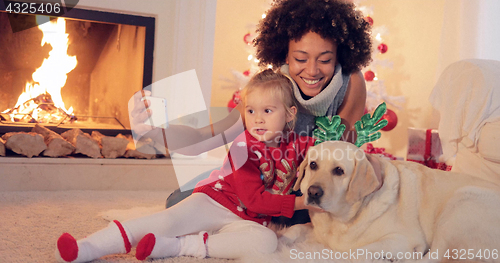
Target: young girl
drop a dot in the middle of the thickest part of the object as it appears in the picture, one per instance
(235, 203)
(321, 45)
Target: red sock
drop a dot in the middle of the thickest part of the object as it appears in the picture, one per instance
(110, 240)
(68, 249)
(145, 246)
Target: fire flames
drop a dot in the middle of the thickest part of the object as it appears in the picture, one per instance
(41, 101)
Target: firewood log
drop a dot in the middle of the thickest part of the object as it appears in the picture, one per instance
(29, 144)
(57, 146)
(144, 151)
(83, 143)
(2, 147)
(111, 147)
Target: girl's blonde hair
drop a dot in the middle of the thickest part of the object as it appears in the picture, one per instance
(278, 85)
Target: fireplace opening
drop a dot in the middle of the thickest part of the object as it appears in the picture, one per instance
(76, 71)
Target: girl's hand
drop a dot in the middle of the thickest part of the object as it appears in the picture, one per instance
(300, 205)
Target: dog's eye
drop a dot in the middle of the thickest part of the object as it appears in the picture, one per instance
(338, 171)
(313, 166)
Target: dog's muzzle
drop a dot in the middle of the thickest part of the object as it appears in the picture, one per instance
(314, 193)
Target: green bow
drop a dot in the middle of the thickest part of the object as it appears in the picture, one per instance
(367, 129)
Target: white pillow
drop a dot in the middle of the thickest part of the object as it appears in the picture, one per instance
(488, 144)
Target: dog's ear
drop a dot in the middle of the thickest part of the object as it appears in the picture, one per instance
(363, 182)
(300, 174)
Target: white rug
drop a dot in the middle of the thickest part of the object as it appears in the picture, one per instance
(31, 222)
(305, 250)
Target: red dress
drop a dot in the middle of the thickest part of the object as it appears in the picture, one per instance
(254, 180)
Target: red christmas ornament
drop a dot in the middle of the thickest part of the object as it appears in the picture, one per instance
(392, 118)
(369, 20)
(247, 39)
(234, 101)
(369, 75)
(382, 48)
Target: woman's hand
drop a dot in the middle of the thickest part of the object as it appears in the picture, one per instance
(139, 112)
(300, 205)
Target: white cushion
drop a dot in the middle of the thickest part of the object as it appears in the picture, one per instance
(488, 144)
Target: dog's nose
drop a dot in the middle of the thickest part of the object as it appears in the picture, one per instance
(314, 193)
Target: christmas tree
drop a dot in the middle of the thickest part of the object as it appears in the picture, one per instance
(375, 87)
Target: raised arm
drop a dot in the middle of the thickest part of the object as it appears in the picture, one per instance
(353, 106)
(190, 141)
(181, 138)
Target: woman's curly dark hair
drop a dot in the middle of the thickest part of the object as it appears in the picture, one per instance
(335, 20)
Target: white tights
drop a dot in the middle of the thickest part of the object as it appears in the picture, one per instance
(232, 236)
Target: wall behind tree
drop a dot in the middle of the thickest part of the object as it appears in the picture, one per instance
(233, 20)
(414, 36)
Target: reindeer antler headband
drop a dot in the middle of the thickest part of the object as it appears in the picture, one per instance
(367, 129)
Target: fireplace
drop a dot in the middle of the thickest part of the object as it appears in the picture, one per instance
(108, 57)
(117, 61)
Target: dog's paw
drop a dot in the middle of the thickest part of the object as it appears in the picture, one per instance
(286, 240)
(290, 236)
(295, 234)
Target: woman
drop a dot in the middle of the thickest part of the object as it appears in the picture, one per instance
(321, 45)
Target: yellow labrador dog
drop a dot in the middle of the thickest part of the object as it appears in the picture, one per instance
(408, 211)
